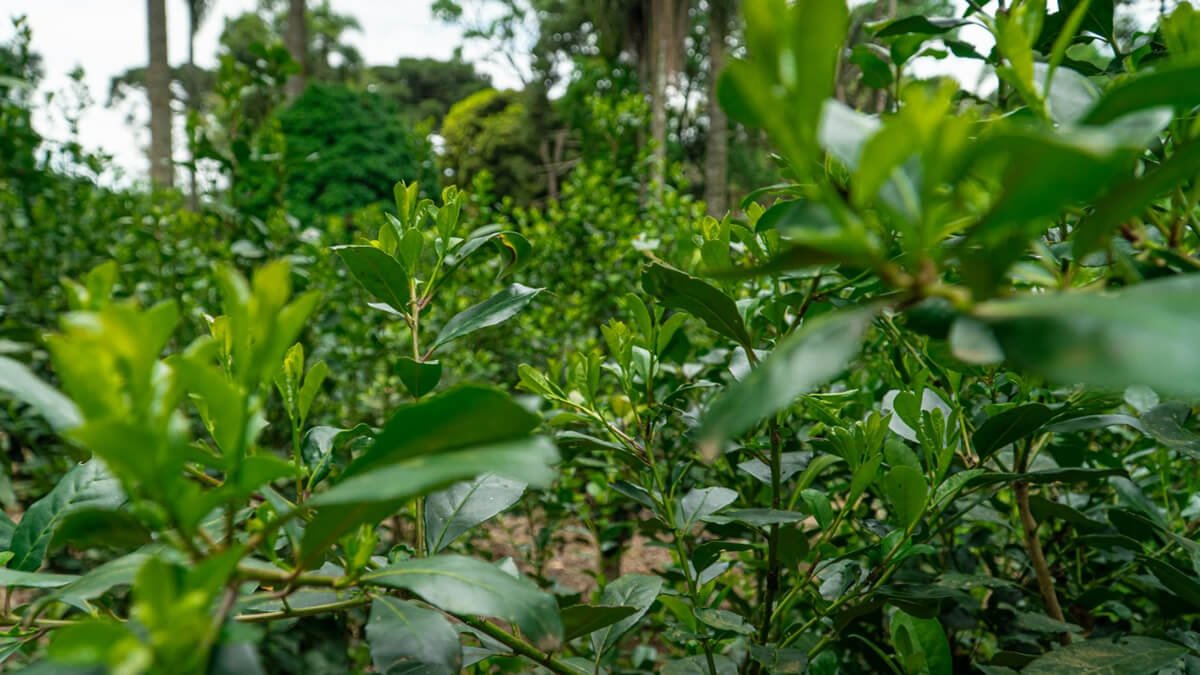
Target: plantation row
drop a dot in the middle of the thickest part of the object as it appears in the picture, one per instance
(921, 404)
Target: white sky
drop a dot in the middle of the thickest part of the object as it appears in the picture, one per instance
(107, 37)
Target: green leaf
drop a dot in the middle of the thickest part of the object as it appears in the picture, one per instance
(921, 645)
(1141, 335)
(580, 620)
(1008, 427)
(780, 660)
(698, 665)
(437, 424)
(119, 572)
(1180, 583)
(419, 377)
(100, 643)
(631, 590)
(86, 485)
(919, 25)
(405, 638)
(811, 227)
(906, 490)
(1081, 163)
(1171, 85)
(810, 356)
(86, 527)
(1133, 196)
(700, 503)
(381, 274)
(495, 310)
(1166, 424)
(451, 512)
(1103, 656)
(19, 382)
(1065, 475)
(844, 131)
(684, 292)
(724, 620)
(466, 586)
(22, 579)
(373, 495)
(312, 384)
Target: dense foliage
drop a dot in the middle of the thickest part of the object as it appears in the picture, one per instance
(922, 404)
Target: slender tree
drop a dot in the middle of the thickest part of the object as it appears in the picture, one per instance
(158, 84)
(197, 12)
(296, 39)
(716, 151)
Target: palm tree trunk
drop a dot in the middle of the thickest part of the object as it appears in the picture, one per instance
(296, 39)
(193, 26)
(158, 83)
(661, 22)
(716, 151)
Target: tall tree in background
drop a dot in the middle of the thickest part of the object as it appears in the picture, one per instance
(158, 83)
(197, 12)
(668, 28)
(716, 150)
(296, 40)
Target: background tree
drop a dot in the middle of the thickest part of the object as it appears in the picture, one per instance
(296, 39)
(487, 132)
(425, 88)
(342, 146)
(158, 84)
(716, 154)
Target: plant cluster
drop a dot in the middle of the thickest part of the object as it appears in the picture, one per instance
(926, 407)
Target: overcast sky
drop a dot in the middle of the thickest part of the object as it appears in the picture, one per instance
(107, 37)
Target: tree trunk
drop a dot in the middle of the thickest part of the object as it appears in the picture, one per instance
(716, 151)
(193, 26)
(158, 83)
(661, 22)
(297, 45)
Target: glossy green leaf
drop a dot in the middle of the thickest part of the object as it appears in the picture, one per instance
(1142, 335)
(919, 25)
(1171, 85)
(381, 274)
(373, 495)
(780, 660)
(810, 356)
(698, 665)
(1008, 427)
(1105, 656)
(1065, 475)
(405, 638)
(921, 645)
(19, 382)
(580, 620)
(418, 377)
(451, 512)
(630, 590)
(436, 424)
(906, 490)
(700, 503)
(686, 293)
(119, 572)
(1133, 196)
(85, 527)
(319, 445)
(22, 579)
(1166, 423)
(495, 310)
(471, 587)
(1180, 583)
(88, 485)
